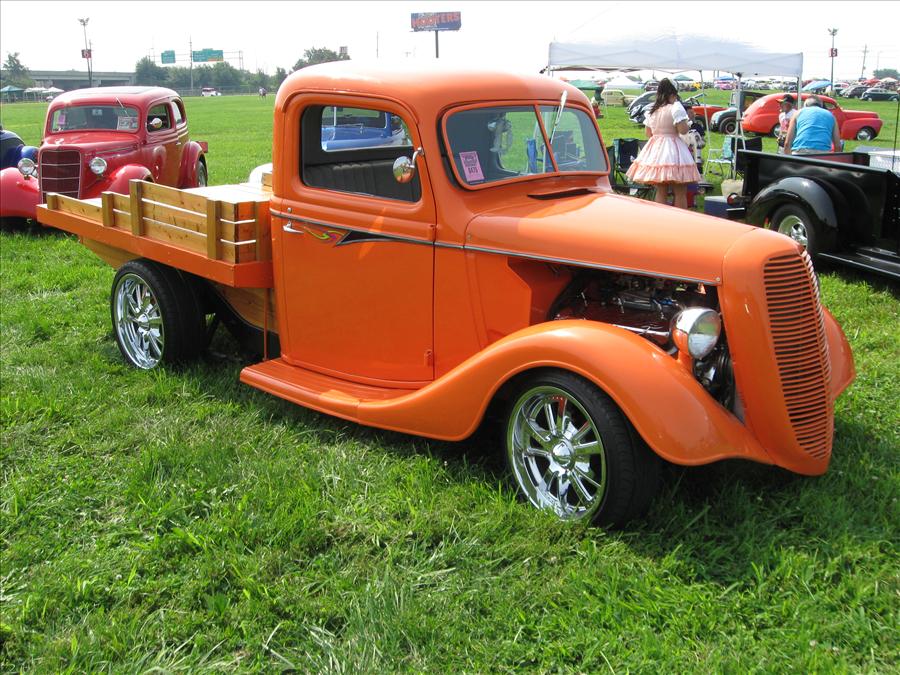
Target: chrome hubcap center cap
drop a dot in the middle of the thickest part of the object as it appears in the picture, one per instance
(564, 454)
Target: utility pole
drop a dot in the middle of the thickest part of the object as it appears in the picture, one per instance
(87, 51)
(832, 32)
(862, 73)
(191, 67)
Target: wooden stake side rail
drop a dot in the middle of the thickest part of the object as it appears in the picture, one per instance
(220, 233)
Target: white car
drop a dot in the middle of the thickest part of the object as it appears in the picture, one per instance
(210, 91)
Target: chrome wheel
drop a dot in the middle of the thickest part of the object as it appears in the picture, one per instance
(138, 321)
(865, 134)
(556, 453)
(795, 228)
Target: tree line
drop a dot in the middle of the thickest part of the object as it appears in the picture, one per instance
(220, 75)
(223, 75)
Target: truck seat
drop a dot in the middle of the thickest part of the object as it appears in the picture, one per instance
(369, 178)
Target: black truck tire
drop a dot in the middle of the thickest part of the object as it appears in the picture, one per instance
(156, 315)
(796, 222)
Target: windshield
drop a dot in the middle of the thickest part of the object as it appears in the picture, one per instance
(108, 117)
(503, 142)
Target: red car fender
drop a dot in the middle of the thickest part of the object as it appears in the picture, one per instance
(851, 126)
(187, 177)
(119, 179)
(19, 196)
(677, 418)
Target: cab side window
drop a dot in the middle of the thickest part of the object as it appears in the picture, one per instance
(160, 111)
(353, 150)
(178, 113)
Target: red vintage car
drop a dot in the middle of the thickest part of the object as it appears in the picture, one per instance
(97, 140)
(762, 118)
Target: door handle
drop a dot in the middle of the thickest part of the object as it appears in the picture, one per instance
(290, 230)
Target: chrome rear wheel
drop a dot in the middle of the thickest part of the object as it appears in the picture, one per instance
(138, 321)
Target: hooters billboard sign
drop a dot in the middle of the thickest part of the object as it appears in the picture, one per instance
(436, 21)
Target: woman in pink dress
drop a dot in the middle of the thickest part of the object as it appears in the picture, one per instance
(666, 161)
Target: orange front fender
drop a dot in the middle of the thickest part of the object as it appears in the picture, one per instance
(667, 406)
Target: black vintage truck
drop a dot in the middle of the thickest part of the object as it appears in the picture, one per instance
(836, 205)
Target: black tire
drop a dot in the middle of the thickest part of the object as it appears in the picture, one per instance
(603, 471)
(728, 127)
(701, 122)
(202, 174)
(796, 222)
(156, 314)
(865, 134)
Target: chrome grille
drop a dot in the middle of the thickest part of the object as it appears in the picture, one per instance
(60, 172)
(801, 350)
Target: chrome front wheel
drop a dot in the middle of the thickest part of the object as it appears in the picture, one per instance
(572, 452)
(556, 453)
(138, 321)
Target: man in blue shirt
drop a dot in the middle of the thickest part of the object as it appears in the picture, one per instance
(813, 130)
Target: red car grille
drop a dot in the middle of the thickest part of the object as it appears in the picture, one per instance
(801, 352)
(60, 172)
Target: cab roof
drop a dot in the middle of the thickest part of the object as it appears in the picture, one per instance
(139, 96)
(424, 89)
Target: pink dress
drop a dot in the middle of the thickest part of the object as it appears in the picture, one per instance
(665, 158)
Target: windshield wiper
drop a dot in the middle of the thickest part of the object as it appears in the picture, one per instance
(559, 112)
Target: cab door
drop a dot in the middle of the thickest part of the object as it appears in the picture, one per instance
(162, 147)
(353, 249)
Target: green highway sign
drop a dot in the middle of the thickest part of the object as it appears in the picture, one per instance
(207, 55)
(168, 56)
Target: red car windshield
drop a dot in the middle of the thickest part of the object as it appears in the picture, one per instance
(94, 117)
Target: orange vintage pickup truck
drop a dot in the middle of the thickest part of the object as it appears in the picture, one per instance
(432, 250)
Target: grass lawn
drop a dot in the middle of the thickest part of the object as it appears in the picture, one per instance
(179, 520)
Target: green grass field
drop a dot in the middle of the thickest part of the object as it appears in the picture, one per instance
(180, 521)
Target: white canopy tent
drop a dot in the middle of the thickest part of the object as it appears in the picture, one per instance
(676, 52)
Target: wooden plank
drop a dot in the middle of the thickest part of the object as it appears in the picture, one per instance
(187, 220)
(109, 215)
(78, 207)
(237, 253)
(52, 201)
(121, 220)
(212, 229)
(121, 202)
(174, 197)
(250, 304)
(267, 181)
(136, 188)
(190, 241)
(114, 257)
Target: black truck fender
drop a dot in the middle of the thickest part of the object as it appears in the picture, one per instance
(805, 192)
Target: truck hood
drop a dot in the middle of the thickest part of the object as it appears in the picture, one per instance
(609, 231)
(91, 143)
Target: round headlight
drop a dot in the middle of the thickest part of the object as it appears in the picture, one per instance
(27, 167)
(98, 165)
(696, 331)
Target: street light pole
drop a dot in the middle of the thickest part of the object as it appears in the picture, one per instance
(87, 49)
(832, 32)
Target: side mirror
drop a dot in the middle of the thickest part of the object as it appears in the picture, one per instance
(155, 124)
(405, 168)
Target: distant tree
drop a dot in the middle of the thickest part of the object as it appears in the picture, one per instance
(319, 55)
(279, 77)
(886, 72)
(258, 79)
(179, 78)
(146, 72)
(225, 76)
(203, 76)
(16, 72)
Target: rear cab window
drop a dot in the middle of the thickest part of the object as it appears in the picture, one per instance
(497, 143)
(161, 111)
(352, 150)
